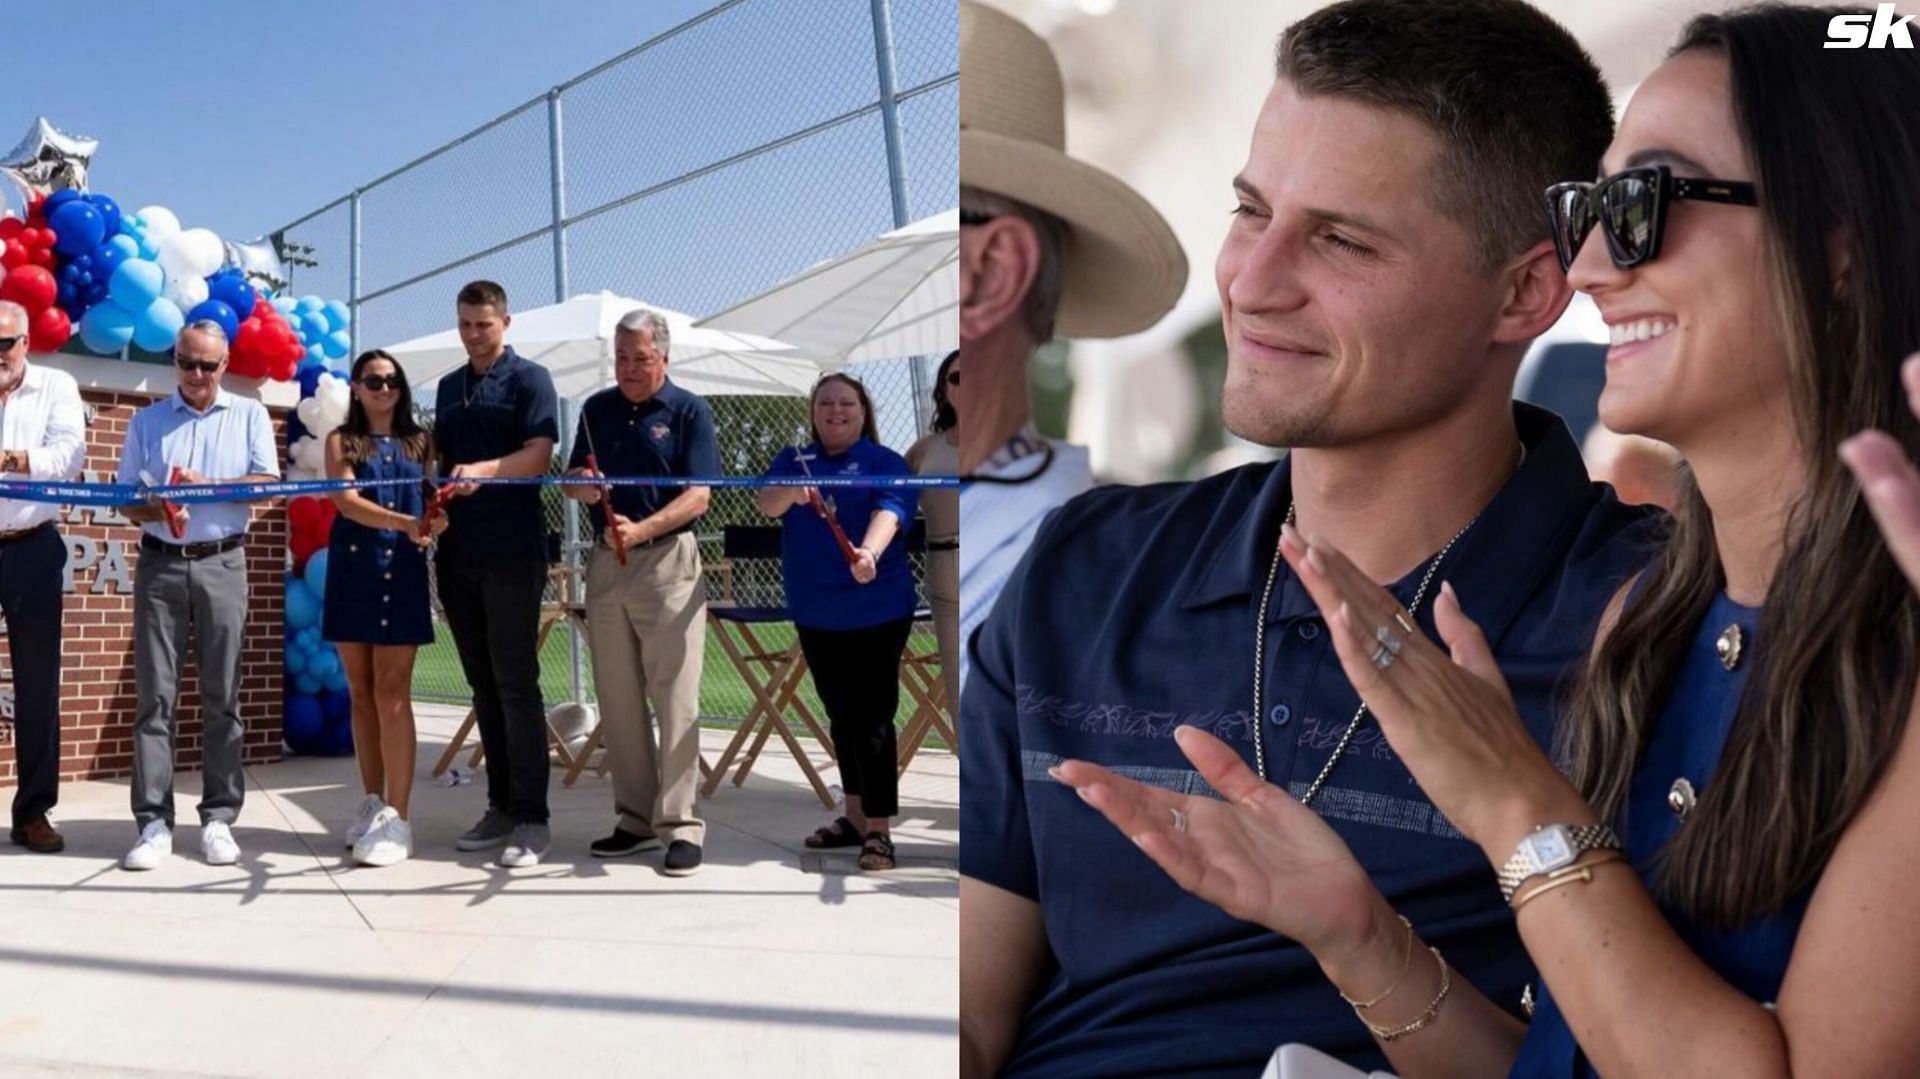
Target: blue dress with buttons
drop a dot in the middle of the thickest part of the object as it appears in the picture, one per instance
(377, 577)
(1686, 745)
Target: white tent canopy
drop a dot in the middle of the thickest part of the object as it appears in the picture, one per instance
(896, 296)
(574, 341)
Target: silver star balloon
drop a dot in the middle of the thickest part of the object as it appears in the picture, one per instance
(48, 160)
(259, 261)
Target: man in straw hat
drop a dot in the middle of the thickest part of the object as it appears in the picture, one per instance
(1388, 264)
(1050, 246)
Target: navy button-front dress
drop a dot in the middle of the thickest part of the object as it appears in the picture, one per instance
(377, 577)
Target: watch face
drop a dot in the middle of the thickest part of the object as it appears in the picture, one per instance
(1550, 848)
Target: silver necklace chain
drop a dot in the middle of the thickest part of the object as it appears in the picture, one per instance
(1260, 653)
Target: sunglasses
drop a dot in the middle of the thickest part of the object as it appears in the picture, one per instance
(7, 343)
(953, 378)
(1631, 209)
(376, 383)
(974, 217)
(201, 366)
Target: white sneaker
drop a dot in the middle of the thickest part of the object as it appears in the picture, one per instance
(388, 842)
(216, 842)
(370, 807)
(155, 846)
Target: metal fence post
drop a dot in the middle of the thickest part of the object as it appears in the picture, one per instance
(896, 172)
(576, 587)
(353, 273)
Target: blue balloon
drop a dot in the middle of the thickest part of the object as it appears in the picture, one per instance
(218, 312)
(337, 705)
(337, 739)
(110, 214)
(306, 683)
(296, 661)
(231, 288)
(339, 316)
(106, 328)
(313, 328)
(310, 639)
(155, 328)
(316, 354)
(284, 304)
(303, 608)
(309, 304)
(336, 345)
(316, 574)
(337, 680)
(136, 283)
(78, 226)
(304, 722)
(323, 664)
(60, 198)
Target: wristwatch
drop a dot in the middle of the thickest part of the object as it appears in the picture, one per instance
(1551, 847)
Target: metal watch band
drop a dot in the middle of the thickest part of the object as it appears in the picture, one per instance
(1580, 839)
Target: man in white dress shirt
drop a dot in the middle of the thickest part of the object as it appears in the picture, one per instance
(42, 437)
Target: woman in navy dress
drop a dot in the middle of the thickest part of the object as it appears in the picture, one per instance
(1723, 882)
(853, 619)
(376, 610)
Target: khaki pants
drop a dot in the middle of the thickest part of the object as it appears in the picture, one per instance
(943, 597)
(646, 624)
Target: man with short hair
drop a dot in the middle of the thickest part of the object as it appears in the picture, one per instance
(497, 416)
(42, 437)
(194, 582)
(1049, 245)
(1387, 266)
(646, 616)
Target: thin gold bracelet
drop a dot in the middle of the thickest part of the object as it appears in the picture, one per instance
(1573, 874)
(1406, 962)
(1424, 1019)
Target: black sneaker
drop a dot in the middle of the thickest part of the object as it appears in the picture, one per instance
(622, 843)
(683, 859)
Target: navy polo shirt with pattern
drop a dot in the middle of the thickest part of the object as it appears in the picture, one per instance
(479, 418)
(821, 591)
(1134, 613)
(668, 434)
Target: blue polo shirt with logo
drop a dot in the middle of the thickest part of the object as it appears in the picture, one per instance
(821, 591)
(481, 417)
(668, 434)
(1134, 613)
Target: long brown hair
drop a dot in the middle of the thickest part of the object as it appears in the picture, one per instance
(356, 440)
(1835, 146)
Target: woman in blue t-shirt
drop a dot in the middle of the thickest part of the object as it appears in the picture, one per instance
(853, 618)
(376, 611)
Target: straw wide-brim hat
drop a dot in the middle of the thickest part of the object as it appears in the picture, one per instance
(1123, 267)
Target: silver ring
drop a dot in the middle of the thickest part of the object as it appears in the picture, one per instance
(1384, 656)
(1387, 640)
(1179, 820)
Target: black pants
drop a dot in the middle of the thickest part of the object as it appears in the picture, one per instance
(493, 610)
(857, 674)
(31, 579)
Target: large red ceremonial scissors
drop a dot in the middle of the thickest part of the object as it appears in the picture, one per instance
(436, 503)
(821, 507)
(618, 544)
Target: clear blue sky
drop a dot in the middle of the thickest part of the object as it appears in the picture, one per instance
(241, 116)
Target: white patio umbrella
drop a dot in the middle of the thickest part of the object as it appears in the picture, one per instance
(896, 296)
(574, 341)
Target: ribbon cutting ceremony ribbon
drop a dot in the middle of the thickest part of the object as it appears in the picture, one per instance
(128, 494)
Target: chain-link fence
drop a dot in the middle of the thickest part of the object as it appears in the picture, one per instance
(692, 171)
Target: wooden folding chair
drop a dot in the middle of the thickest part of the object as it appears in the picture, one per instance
(551, 615)
(773, 675)
(920, 674)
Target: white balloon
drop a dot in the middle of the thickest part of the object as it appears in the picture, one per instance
(309, 412)
(160, 222)
(333, 395)
(309, 453)
(186, 291)
(193, 253)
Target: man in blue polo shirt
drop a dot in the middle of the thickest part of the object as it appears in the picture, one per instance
(646, 617)
(1386, 268)
(497, 416)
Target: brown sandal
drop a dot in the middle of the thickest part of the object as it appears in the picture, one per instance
(841, 833)
(877, 852)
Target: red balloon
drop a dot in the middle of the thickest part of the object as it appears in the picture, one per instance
(286, 369)
(42, 257)
(32, 287)
(41, 237)
(49, 329)
(11, 227)
(14, 253)
(303, 548)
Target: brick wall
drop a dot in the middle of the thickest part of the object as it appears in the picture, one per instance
(96, 680)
